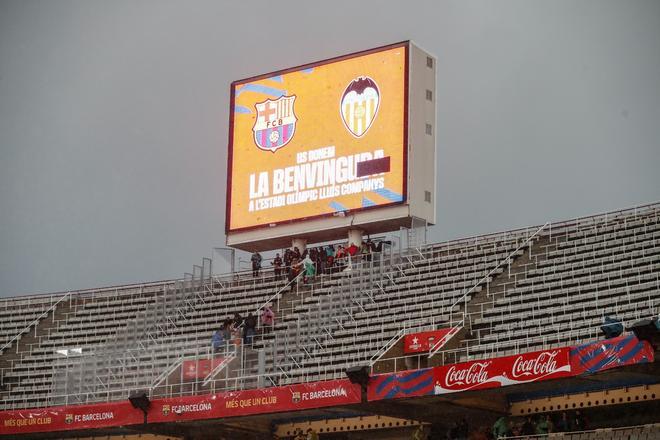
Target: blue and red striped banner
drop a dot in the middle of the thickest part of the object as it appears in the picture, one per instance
(404, 384)
(610, 353)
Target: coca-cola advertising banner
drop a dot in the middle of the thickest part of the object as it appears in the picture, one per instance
(499, 372)
(63, 418)
(492, 373)
(423, 341)
(256, 401)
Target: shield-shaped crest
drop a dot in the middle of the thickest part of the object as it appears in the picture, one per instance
(359, 105)
(166, 410)
(275, 123)
(295, 396)
(68, 419)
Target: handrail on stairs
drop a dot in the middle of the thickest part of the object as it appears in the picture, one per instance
(468, 292)
(36, 320)
(269, 300)
(221, 366)
(438, 345)
(400, 333)
(389, 344)
(508, 258)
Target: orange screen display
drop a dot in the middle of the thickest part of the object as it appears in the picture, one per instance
(318, 140)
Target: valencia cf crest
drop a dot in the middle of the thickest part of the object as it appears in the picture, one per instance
(359, 105)
(275, 124)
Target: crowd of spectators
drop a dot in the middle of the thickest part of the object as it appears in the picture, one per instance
(295, 265)
(505, 427)
(316, 260)
(539, 424)
(241, 330)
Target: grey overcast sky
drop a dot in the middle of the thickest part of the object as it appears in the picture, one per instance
(113, 118)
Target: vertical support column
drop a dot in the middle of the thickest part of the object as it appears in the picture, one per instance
(300, 243)
(207, 269)
(198, 277)
(355, 237)
(261, 367)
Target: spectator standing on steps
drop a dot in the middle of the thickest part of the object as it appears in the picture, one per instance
(501, 428)
(256, 263)
(320, 260)
(267, 319)
(579, 422)
(288, 257)
(563, 425)
(544, 426)
(339, 257)
(528, 427)
(226, 329)
(352, 250)
(296, 267)
(250, 329)
(309, 268)
(277, 267)
(238, 320)
(330, 257)
(218, 340)
(365, 251)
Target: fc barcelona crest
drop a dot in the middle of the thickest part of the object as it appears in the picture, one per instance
(295, 396)
(166, 409)
(68, 419)
(275, 124)
(359, 105)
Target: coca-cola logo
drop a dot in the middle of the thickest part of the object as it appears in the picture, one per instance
(544, 363)
(476, 373)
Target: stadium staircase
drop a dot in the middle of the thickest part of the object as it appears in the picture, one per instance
(303, 340)
(30, 338)
(482, 301)
(496, 263)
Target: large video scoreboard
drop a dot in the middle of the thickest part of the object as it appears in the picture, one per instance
(318, 141)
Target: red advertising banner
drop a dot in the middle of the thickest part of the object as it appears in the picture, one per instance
(503, 371)
(64, 418)
(228, 404)
(489, 373)
(200, 368)
(255, 401)
(423, 341)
